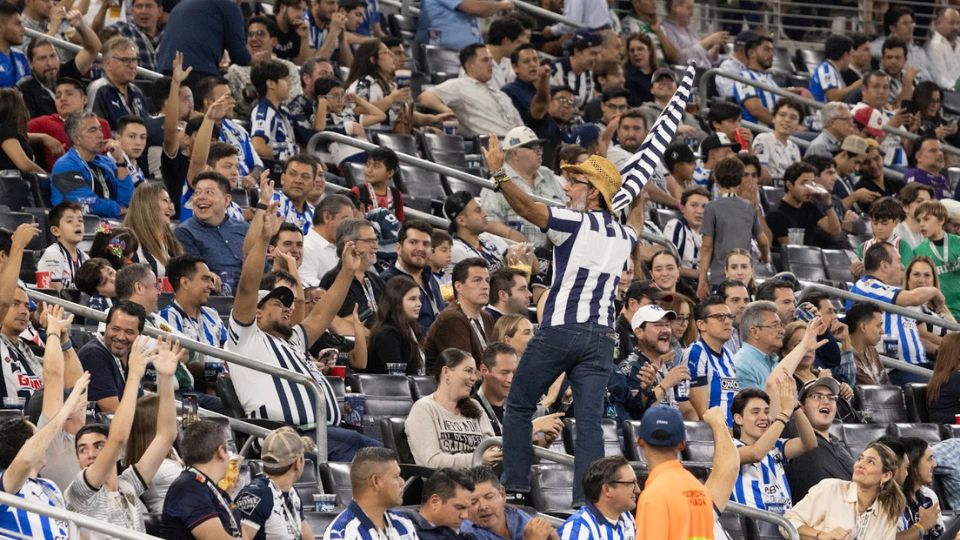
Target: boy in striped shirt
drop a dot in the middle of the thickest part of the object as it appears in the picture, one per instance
(611, 488)
(762, 482)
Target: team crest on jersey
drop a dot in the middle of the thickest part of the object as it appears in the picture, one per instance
(247, 502)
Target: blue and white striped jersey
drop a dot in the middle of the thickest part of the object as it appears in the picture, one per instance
(276, 126)
(715, 371)
(743, 92)
(235, 134)
(589, 524)
(687, 240)
(764, 484)
(290, 214)
(582, 83)
(30, 525)
(273, 398)
(585, 275)
(825, 77)
(901, 338)
(353, 524)
(208, 329)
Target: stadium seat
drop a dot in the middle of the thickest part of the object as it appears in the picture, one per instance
(308, 483)
(664, 215)
(90, 225)
(611, 440)
(808, 60)
(421, 385)
(338, 385)
(453, 185)
(880, 404)
(241, 197)
(808, 273)
(401, 143)
(420, 187)
(631, 450)
(353, 173)
(12, 220)
(699, 444)
(395, 437)
(858, 436)
(803, 256)
(915, 396)
(444, 149)
(439, 62)
(318, 521)
(386, 395)
(336, 479)
(770, 197)
(404, 26)
(15, 190)
(223, 304)
(551, 487)
(782, 61)
(949, 431)
(734, 525)
(927, 432)
(44, 239)
(837, 263)
(765, 530)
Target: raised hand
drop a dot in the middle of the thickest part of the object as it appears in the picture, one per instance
(56, 322)
(266, 188)
(140, 356)
(271, 221)
(168, 356)
(77, 395)
(352, 260)
(788, 395)
(179, 74)
(493, 154)
(220, 108)
(715, 417)
(816, 328)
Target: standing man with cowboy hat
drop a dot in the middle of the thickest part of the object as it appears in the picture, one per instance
(576, 334)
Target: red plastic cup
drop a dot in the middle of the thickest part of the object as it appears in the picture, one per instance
(956, 419)
(341, 371)
(165, 285)
(43, 280)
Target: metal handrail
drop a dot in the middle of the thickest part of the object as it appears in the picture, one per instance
(892, 308)
(540, 452)
(905, 367)
(330, 136)
(812, 103)
(73, 47)
(233, 358)
(87, 522)
(763, 515)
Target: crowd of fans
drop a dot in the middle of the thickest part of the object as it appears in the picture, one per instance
(216, 224)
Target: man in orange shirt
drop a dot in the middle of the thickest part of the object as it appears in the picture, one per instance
(674, 505)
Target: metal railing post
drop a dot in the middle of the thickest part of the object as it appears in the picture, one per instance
(312, 386)
(145, 73)
(87, 522)
(812, 103)
(550, 455)
(762, 515)
(903, 366)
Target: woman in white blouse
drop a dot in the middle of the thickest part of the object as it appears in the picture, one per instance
(866, 508)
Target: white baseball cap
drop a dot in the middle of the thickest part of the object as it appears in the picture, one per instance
(520, 136)
(651, 313)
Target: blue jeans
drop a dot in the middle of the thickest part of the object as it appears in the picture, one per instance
(585, 353)
(342, 444)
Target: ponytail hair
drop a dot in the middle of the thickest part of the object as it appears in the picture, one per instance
(451, 358)
(891, 498)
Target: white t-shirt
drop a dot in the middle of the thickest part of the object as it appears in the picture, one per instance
(776, 155)
(153, 497)
(121, 508)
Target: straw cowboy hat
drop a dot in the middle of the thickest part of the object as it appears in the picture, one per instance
(602, 174)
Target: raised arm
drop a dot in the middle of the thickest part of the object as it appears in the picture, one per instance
(726, 462)
(201, 141)
(106, 461)
(351, 262)
(541, 100)
(263, 226)
(762, 446)
(11, 268)
(88, 40)
(32, 453)
(171, 109)
(533, 211)
(54, 371)
(169, 355)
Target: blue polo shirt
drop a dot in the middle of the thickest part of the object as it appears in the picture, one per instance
(441, 23)
(521, 93)
(516, 520)
(753, 367)
(221, 246)
(13, 67)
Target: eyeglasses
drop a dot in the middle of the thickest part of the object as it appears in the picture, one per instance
(335, 96)
(370, 241)
(777, 325)
(626, 482)
(258, 34)
(823, 397)
(130, 61)
(722, 317)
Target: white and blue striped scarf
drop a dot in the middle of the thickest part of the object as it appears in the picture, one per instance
(642, 166)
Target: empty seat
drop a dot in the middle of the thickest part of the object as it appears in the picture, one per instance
(770, 197)
(353, 172)
(699, 443)
(420, 185)
(927, 432)
(444, 149)
(782, 61)
(837, 263)
(12, 220)
(915, 396)
(386, 395)
(395, 437)
(439, 62)
(338, 385)
(15, 190)
(803, 255)
(421, 385)
(223, 304)
(611, 439)
(308, 483)
(319, 521)
(336, 479)
(949, 431)
(808, 60)
(733, 524)
(404, 26)
(241, 197)
(880, 404)
(401, 143)
(631, 450)
(858, 436)
(808, 273)
(551, 487)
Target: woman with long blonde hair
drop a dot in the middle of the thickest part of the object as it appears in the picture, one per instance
(149, 218)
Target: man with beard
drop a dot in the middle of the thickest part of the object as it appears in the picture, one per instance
(413, 248)
(13, 63)
(652, 374)
(509, 293)
(39, 91)
(295, 182)
(105, 358)
(736, 296)
(293, 41)
(524, 165)
(831, 458)
(328, 32)
(260, 328)
(928, 155)
(71, 98)
(144, 29)
(756, 103)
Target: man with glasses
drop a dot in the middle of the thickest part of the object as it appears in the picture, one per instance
(366, 286)
(831, 458)
(712, 371)
(837, 124)
(737, 296)
(524, 166)
(114, 95)
(611, 488)
(762, 332)
(664, 85)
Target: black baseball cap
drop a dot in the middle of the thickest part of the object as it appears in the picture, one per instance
(717, 140)
(283, 294)
(678, 153)
(454, 204)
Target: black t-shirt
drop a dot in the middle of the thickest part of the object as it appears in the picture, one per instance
(288, 44)
(786, 217)
(357, 295)
(8, 132)
(830, 459)
(890, 186)
(174, 172)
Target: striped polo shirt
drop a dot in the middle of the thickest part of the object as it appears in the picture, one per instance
(273, 398)
(901, 338)
(716, 371)
(580, 83)
(763, 484)
(353, 524)
(589, 524)
(687, 240)
(290, 214)
(743, 92)
(825, 77)
(585, 275)
(209, 328)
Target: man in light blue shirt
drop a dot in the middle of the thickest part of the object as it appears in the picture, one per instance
(762, 335)
(492, 519)
(454, 24)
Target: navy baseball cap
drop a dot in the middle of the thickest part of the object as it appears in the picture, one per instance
(662, 426)
(585, 134)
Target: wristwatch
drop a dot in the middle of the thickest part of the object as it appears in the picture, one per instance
(499, 178)
(261, 206)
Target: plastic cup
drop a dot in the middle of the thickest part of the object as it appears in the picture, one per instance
(324, 502)
(796, 236)
(450, 127)
(397, 368)
(402, 76)
(43, 280)
(337, 371)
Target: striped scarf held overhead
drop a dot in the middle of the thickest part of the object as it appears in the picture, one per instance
(643, 164)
